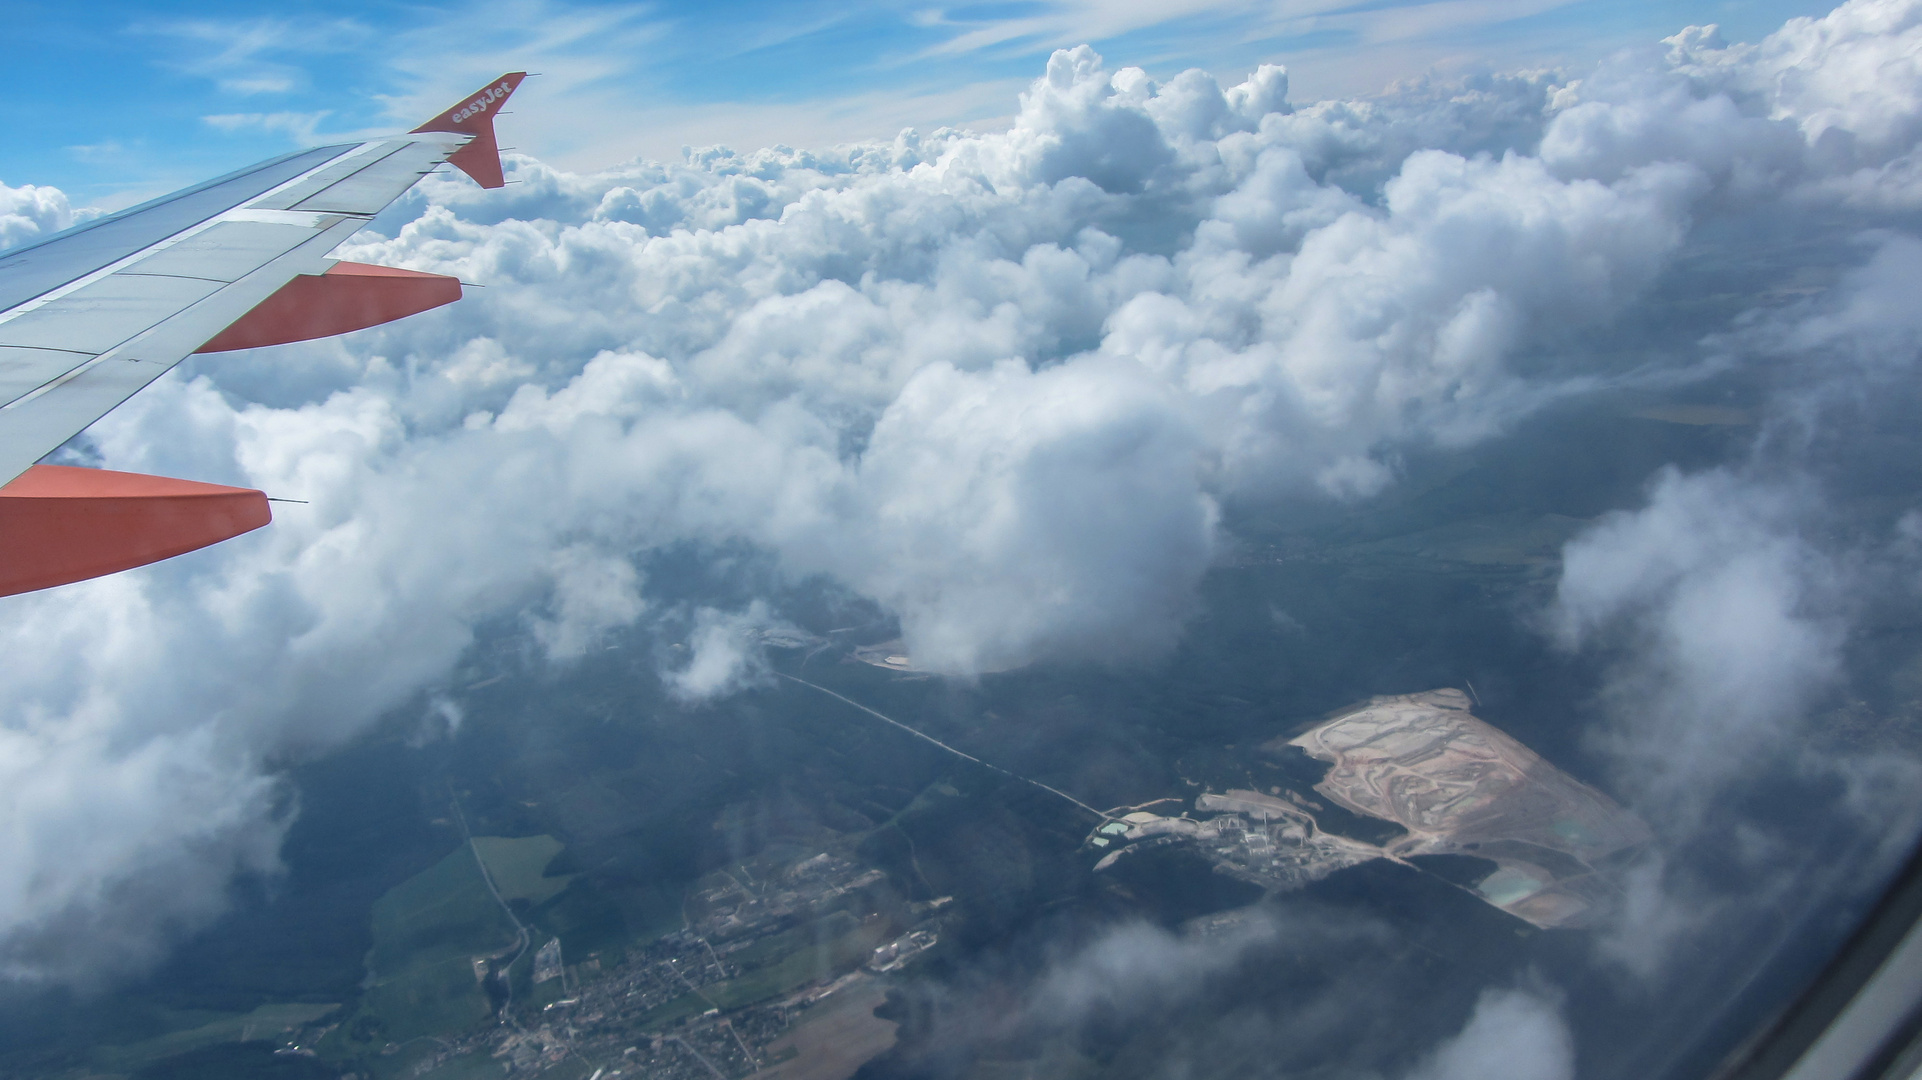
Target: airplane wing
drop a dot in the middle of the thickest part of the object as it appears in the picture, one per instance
(91, 315)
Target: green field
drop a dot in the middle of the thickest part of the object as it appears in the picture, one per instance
(518, 866)
(420, 973)
(427, 930)
(265, 1022)
(477, 1066)
(443, 912)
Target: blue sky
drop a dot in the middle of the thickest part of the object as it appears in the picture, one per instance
(119, 101)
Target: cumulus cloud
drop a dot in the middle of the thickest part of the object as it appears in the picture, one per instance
(1513, 1035)
(723, 653)
(998, 384)
(1726, 622)
(1012, 512)
(1284, 988)
(1194, 1001)
(1866, 325)
(1729, 617)
(1824, 109)
(1137, 968)
(1728, 609)
(30, 212)
(593, 593)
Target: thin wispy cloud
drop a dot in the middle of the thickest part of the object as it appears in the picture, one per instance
(301, 127)
(1049, 25)
(254, 56)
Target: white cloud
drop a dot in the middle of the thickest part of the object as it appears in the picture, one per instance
(1513, 1035)
(253, 56)
(1065, 22)
(1868, 324)
(299, 127)
(1729, 616)
(30, 212)
(723, 653)
(1827, 107)
(593, 593)
(1008, 514)
(1136, 966)
(1727, 619)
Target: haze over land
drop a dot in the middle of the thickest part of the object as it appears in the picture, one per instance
(1153, 427)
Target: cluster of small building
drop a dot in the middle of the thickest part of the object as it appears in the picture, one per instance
(526, 1050)
(1264, 839)
(740, 912)
(717, 1046)
(547, 963)
(603, 1016)
(614, 1019)
(895, 954)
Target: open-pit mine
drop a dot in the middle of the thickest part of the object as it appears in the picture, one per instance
(1456, 785)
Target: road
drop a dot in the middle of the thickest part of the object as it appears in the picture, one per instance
(957, 753)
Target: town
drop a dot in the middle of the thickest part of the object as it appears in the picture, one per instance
(723, 998)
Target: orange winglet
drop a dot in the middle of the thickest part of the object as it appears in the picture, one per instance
(481, 158)
(60, 524)
(349, 296)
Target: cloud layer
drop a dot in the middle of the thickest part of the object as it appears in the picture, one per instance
(1000, 385)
